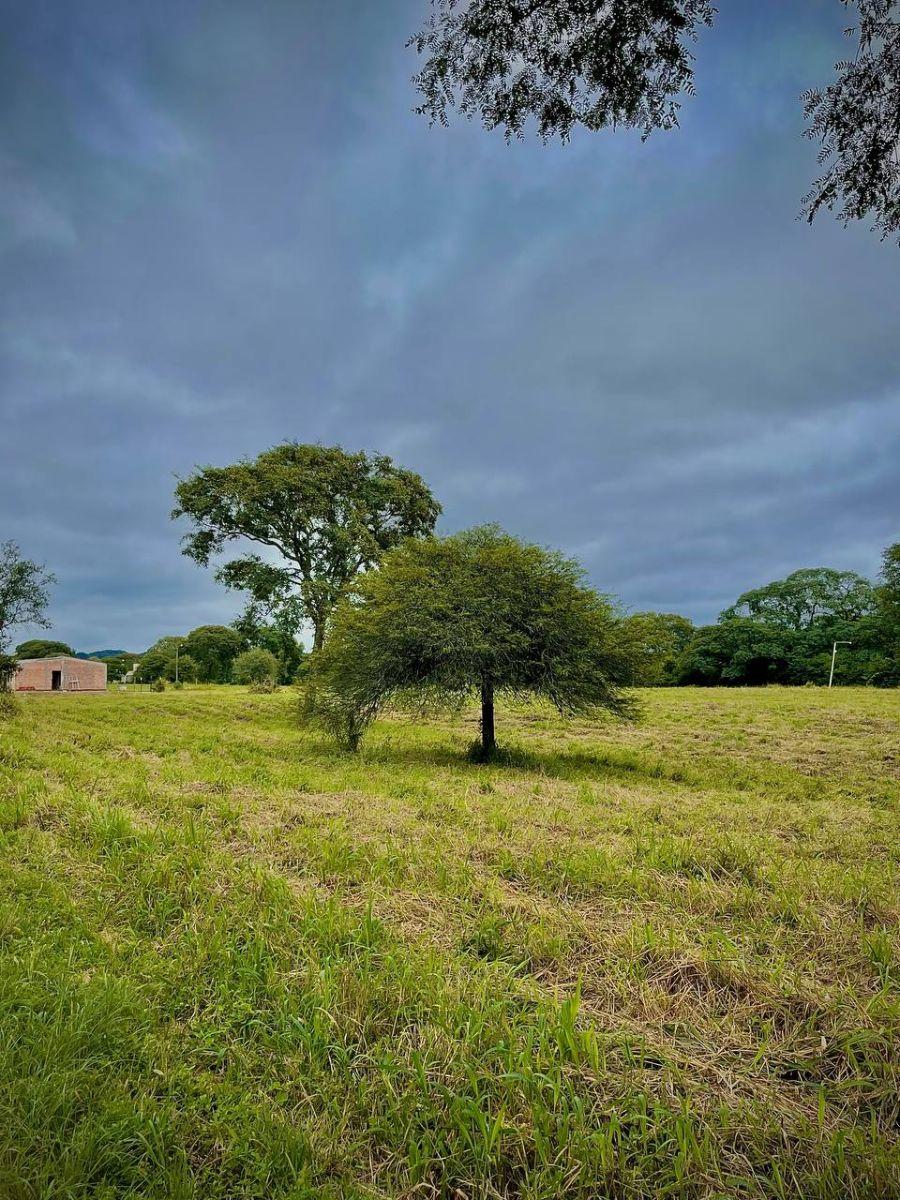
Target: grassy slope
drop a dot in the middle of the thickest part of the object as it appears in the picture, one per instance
(654, 961)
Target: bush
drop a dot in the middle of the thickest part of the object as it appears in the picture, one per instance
(158, 685)
(255, 667)
(9, 706)
(264, 688)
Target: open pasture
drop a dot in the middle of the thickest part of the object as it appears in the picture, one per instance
(625, 961)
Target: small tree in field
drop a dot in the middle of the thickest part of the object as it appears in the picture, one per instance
(24, 596)
(255, 666)
(482, 611)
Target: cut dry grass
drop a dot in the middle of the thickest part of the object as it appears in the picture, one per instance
(658, 960)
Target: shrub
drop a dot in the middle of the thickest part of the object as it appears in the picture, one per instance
(255, 667)
(264, 688)
(7, 670)
(158, 685)
(9, 706)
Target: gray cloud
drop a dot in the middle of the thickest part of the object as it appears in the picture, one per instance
(221, 226)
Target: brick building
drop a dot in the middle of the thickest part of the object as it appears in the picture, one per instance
(62, 674)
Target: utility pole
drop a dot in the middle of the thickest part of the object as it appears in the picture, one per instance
(176, 662)
(833, 656)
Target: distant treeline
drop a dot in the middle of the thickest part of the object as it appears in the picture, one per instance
(208, 654)
(783, 633)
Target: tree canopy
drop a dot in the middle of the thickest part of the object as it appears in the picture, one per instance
(273, 629)
(562, 63)
(325, 513)
(784, 632)
(24, 592)
(213, 648)
(255, 666)
(856, 118)
(481, 611)
(806, 596)
(42, 648)
(656, 640)
(607, 63)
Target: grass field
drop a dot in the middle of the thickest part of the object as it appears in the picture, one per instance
(658, 960)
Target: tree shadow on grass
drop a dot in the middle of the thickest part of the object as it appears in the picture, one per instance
(602, 764)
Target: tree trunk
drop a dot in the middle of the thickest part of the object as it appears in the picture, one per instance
(319, 633)
(488, 741)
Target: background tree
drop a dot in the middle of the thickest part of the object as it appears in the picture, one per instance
(739, 650)
(886, 672)
(275, 631)
(213, 648)
(42, 648)
(325, 513)
(602, 63)
(24, 596)
(656, 639)
(814, 594)
(255, 666)
(480, 611)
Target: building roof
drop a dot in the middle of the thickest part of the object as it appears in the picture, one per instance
(69, 658)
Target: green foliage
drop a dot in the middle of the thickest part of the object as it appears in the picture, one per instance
(9, 705)
(158, 685)
(7, 671)
(275, 631)
(807, 597)
(187, 669)
(326, 513)
(563, 63)
(24, 592)
(480, 610)
(887, 619)
(255, 667)
(154, 664)
(42, 648)
(857, 121)
(739, 650)
(656, 639)
(593, 64)
(213, 648)
(118, 665)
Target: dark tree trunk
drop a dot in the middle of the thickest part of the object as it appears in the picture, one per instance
(488, 741)
(318, 634)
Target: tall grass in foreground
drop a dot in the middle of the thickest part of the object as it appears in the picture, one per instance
(659, 961)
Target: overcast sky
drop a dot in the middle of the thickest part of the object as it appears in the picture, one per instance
(222, 226)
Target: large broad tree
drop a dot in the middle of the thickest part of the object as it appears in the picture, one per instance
(43, 648)
(213, 648)
(479, 612)
(813, 595)
(608, 63)
(322, 514)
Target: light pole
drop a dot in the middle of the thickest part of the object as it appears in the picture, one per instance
(176, 662)
(833, 656)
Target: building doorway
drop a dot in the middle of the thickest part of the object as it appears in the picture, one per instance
(56, 681)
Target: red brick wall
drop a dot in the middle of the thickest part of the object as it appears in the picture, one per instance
(36, 675)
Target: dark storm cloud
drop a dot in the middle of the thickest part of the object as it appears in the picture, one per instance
(221, 226)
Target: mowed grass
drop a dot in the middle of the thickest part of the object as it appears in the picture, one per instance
(657, 960)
